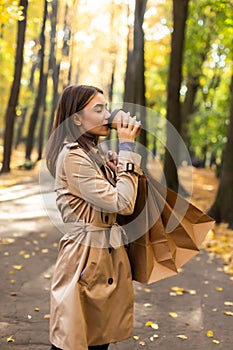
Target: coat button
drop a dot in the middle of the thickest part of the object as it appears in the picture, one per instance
(110, 280)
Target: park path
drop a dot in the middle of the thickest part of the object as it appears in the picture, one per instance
(177, 312)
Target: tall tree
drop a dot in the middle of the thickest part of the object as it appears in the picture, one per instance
(180, 13)
(135, 72)
(38, 100)
(221, 210)
(15, 88)
(54, 66)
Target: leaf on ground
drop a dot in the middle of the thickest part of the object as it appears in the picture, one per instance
(147, 290)
(10, 339)
(136, 337)
(219, 243)
(17, 267)
(142, 343)
(7, 240)
(210, 334)
(228, 313)
(173, 314)
(180, 291)
(182, 336)
(147, 305)
(228, 303)
(152, 325)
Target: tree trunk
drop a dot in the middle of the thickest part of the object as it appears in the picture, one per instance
(38, 100)
(15, 88)
(180, 12)
(42, 119)
(187, 108)
(21, 126)
(135, 76)
(53, 66)
(221, 210)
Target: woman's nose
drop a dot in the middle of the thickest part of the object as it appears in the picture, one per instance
(107, 114)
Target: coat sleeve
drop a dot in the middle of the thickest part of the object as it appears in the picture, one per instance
(84, 179)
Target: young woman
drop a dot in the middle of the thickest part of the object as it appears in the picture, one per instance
(92, 293)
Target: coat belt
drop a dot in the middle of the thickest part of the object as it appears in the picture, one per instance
(107, 236)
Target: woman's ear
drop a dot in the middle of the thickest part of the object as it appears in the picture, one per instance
(77, 120)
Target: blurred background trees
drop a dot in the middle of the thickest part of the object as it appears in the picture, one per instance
(135, 52)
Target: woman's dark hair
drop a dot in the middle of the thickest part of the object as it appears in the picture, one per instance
(73, 99)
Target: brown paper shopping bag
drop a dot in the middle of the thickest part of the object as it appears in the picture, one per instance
(165, 231)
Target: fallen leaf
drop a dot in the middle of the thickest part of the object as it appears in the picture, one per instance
(215, 341)
(192, 292)
(147, 290)
(47, 276)
(47, 316)
(182, 336)
(228, 303)
(17, 267)
(210, 334)
(142, 343)
(147, 305)
(219, 289)
(42, 235)
(228, 313)
(7, 240)
(10, 339)
(155, 326)
(152, 325)
(22, 252)
(44, 251)
(178, 290)
(173, 314)
(29, 317)
(136, 337)
(37, 309)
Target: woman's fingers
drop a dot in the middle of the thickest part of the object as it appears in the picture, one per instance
(127, 127)
(125, 121)
(112, 157)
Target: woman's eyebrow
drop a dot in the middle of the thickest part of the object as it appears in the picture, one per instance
(100, 105)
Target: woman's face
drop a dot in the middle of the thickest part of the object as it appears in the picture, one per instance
(94, 117)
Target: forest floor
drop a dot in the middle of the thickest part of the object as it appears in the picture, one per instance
(192, 310)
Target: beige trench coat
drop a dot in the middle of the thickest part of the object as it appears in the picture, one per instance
(92, 293)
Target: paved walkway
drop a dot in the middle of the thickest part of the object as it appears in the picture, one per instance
(203, 302)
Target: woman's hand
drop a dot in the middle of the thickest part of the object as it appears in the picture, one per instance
(112, 160)
(128, 127)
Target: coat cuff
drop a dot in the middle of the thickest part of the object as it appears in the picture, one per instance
(129, 162)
